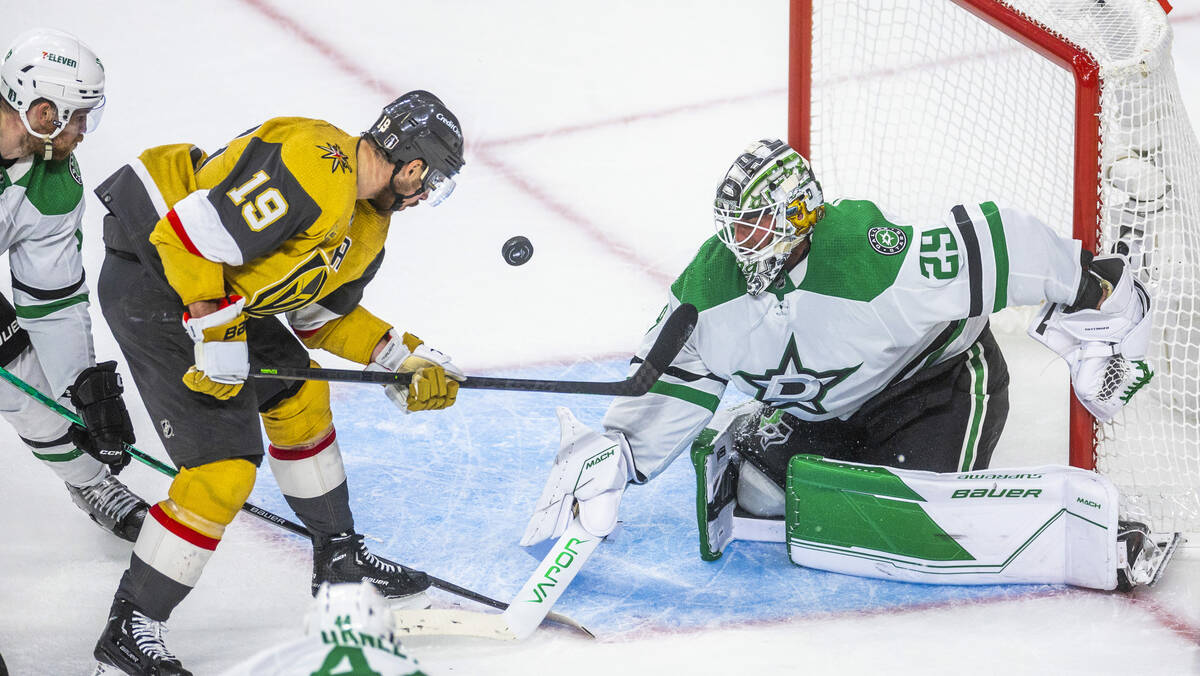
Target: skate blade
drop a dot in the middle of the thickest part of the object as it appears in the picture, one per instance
(1165, 558)
(103, 669)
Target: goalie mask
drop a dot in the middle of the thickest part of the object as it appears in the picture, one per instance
(765, 207)
(419, 126)
(47, 64)
(350, 606)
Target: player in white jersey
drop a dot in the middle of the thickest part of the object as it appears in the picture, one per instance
(864, 342)
(348, 631)
(51, 92)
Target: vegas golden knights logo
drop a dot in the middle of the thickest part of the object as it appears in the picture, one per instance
(299, 287)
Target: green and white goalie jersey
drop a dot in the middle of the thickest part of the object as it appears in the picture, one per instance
(41, 210)
(872, 303)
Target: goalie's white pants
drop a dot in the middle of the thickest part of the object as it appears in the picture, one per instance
(43, 431)
(1050, 524)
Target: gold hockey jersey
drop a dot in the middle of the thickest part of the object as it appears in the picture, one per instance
(274, 217)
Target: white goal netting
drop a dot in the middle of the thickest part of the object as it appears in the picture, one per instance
(922, 104)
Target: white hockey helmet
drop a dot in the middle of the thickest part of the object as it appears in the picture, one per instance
(50, 64)
(766, 205)
(357, 606)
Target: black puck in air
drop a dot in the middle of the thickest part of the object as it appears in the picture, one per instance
(517, 250)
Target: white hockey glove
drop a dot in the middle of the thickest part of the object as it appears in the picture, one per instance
(222, 360)
(591, 471)
(435, 378)
(1106, 347)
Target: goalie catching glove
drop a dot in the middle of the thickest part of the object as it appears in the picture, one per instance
(222, 359)
(1104, 347)
(106, 428)
(590, 471)
(434, 383)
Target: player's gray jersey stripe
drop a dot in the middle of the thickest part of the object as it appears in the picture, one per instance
(974, 260)
(48, 294)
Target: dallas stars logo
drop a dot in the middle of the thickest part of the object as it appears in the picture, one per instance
(791, 385)
(340, 159)
(887, 240)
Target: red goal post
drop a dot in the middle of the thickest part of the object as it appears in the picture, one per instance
(1072, 111)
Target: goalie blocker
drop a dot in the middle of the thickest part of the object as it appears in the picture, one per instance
(1045, 525)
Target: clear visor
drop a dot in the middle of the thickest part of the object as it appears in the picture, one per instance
(439, 186)
(93, 116)
(89, 120)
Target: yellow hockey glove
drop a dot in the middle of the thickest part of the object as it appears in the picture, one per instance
(222, 359)
(435, 378)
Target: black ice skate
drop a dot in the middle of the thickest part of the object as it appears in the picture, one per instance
(133, 644)
(1142, 555)
(344, 558)
(112, 506)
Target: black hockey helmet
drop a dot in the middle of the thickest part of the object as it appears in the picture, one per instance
(419, 126)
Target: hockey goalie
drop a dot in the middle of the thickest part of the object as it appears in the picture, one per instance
(879, 393)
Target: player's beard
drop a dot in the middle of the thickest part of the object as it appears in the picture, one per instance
(35, 145)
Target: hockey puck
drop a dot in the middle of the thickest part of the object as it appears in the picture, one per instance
(517, 250)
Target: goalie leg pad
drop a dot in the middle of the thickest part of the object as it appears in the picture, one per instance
(1049, 525)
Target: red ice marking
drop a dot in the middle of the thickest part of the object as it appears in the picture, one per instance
(183, 532)
(335, 56)
(1180, 626)
(632, 118)
(302, 453)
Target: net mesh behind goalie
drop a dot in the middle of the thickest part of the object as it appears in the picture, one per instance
(923, 104)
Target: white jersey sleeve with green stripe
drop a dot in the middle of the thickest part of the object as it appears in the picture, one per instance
(662, 423)
(874, 302)
(41, 212)
(983, 259)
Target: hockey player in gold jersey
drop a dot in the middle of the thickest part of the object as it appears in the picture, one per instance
(204, 254)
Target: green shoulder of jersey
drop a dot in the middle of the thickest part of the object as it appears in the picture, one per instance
(856, 252)
(55, 187)
(711, 279)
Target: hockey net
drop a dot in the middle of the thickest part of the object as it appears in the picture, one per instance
(1068, 109)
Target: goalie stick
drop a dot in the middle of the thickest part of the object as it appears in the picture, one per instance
(527, 609)
(675, 332)
(259, 512)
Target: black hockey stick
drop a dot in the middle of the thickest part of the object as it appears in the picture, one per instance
(674, 334)
(259, 512)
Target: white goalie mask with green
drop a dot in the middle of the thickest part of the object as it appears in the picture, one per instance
(766, 206)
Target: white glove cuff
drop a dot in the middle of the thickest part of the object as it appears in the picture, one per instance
(223, 362)
(394, 352)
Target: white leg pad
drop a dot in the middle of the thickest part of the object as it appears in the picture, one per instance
(1050, 524)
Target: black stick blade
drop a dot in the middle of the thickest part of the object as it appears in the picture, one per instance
(675, 332)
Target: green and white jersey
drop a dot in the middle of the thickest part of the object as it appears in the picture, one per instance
(41, 212)
(343, 653)
(873, 302)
